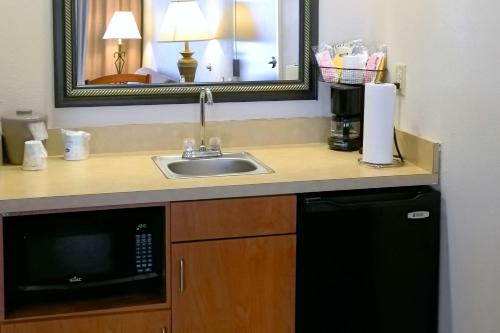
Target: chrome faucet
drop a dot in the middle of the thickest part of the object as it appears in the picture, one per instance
(205, 97)
(213, 148)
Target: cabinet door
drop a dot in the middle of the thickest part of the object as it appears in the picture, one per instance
(144, 322)
(236, 285)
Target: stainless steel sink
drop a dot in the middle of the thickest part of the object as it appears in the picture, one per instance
(230, 164)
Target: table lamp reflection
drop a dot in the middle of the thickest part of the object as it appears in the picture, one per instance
(122, 26)
(185, 22)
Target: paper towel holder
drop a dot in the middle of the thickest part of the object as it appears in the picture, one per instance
(396, 162)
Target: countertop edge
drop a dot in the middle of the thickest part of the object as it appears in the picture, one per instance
(213, 192)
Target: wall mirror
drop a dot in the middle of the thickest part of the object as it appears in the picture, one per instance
(123, 52)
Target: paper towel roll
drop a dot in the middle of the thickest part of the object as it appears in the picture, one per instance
(378, 125)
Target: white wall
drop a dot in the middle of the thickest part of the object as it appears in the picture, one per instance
(26, 66)
(452, 52)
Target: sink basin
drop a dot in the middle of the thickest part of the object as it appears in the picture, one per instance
(230, 164)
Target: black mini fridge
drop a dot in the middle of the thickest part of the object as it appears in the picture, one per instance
(368, 261)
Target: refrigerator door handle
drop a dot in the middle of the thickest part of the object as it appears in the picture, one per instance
(356, 201)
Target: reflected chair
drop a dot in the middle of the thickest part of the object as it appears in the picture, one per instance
(121, 79)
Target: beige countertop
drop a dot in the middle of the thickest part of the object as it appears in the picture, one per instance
(117, 179)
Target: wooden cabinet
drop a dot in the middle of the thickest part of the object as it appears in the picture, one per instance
(228, 218)
(236, 285)
(143, 322)
(231, 264)
(233, 285)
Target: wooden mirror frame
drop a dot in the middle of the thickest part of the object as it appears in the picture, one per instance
(68, 94)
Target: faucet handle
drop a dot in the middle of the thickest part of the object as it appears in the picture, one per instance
(189, 144)
(214, 143)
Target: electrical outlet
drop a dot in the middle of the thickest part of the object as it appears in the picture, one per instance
(400, 78)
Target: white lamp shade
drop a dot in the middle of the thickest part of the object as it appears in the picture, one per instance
(184, 21)
(122, 26)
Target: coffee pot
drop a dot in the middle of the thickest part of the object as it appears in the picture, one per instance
(347, 114)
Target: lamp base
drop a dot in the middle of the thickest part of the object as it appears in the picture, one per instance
(187, 64)
(120, 58)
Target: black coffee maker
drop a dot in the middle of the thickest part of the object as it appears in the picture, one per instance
(347, 119)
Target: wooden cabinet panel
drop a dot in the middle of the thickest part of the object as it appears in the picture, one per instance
(228, 218)
(234, 285)
(2, 285)
(134, 322)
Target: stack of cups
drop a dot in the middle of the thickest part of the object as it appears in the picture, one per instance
(35, 156)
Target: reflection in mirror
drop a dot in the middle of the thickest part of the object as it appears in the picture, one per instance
(108, 38)
(251, 50)
(242, 40)
(185, 22)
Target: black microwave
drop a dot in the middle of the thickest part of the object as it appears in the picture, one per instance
(80, 255)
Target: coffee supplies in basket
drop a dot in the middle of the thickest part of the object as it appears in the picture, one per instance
(351, 62)
(324, 59)
(353, 69)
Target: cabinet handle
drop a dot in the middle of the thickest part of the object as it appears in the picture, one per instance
(164, 330)
(181, 275)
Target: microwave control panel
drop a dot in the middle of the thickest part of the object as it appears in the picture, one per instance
(143, 250)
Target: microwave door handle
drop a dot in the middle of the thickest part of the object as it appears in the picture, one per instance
(181, 275)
